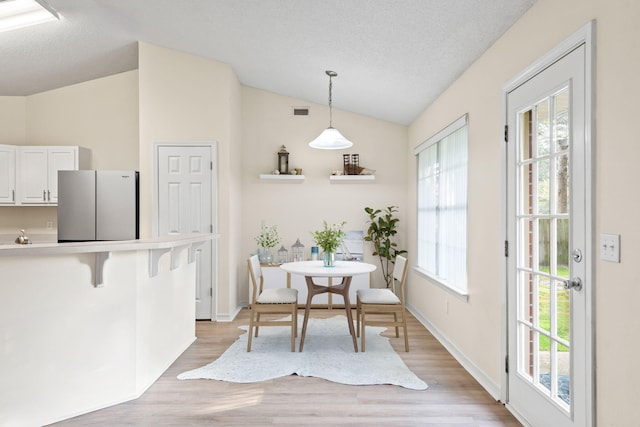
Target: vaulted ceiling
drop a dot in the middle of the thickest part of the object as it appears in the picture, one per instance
(393, 57)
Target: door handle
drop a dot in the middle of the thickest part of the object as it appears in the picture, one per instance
(575, 283)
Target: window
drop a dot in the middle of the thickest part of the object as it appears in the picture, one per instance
(442, 206)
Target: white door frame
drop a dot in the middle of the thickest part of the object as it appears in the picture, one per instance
(213, 145)
(585, 35)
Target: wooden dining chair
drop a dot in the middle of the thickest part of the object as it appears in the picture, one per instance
(382, 302)
(270, 301)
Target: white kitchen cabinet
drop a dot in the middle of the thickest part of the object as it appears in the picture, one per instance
(275, 277)
(38, 168)
(7, 175)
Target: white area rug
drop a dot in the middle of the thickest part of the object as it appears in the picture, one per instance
(328, 353)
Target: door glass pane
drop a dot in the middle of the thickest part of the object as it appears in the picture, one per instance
(544, 244)
(526, 297)
(544, 363)
(564, 378)
(562, 184)
(526, 199)
(525, 135)
(544, 310)
(562, 247)
(526, 236)
(542, 127)
(561, 120)
(563, 312)
(542, 186)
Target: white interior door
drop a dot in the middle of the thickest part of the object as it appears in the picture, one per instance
(548, 255)
(185, 193)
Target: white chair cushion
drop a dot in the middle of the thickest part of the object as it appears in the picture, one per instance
(278, 296)
(377, 296)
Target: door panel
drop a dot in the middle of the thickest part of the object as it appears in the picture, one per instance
(546, 215)
(185, 206)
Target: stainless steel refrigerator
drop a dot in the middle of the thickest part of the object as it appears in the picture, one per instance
(98, 205)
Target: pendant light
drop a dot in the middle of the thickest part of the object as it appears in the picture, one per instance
(330, 138)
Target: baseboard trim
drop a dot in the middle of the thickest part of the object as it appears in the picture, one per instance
(485, 381)
(229, 317)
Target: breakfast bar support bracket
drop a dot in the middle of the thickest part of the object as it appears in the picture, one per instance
(175, 256)
(154, 258)
(101, 258)
(193, 250)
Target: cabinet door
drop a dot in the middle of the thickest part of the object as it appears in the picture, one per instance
(58, 158)
(33, 175)
(7, 175)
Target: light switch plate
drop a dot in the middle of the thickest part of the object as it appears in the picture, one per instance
(610, 247)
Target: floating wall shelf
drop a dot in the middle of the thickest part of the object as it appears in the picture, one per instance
(352, 178)
(273, 177)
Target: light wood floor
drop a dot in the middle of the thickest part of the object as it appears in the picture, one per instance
(454, 398)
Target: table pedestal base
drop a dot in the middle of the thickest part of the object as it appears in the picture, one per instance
(341, 289)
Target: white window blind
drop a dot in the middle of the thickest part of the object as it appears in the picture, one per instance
(442, 206)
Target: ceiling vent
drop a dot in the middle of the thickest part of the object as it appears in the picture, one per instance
(300, 111)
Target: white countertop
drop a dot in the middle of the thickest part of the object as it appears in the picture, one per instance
(54, 248)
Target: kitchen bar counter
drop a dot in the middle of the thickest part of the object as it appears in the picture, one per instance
(102, 249)
(71, 344)
(50, 248)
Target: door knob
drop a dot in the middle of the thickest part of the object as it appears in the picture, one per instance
(575, 283)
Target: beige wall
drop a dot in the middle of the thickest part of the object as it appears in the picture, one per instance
(187, 98)
(474, 327)
(299, 208)
(101, 115)
(13, 120)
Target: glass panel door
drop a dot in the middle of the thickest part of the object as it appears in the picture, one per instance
(547, 225)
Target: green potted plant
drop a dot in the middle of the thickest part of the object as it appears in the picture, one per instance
(329, 239)
(381, 231)
(267, 239)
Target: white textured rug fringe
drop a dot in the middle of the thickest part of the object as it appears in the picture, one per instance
(328, 353)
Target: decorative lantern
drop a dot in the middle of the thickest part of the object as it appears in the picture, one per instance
(283, 160)
(297, 251)
(283, 255)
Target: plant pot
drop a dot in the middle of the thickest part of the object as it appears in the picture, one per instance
(329, 259)
(265, 256)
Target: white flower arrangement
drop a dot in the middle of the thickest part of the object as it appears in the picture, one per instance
(268, 236)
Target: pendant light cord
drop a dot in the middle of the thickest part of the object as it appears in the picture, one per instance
(330, 103)
(331, 75)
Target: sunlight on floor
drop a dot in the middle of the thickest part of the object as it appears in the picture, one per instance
(234, 401)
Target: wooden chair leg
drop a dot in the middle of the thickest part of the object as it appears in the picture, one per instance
(363, 347)
(358, 309)
(251, 314)
(293, 327)
(395, 320)
(404, 326)
(257, 323)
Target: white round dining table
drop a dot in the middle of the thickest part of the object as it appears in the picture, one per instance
(344, 269)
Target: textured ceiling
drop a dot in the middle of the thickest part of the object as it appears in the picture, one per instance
(393, 57)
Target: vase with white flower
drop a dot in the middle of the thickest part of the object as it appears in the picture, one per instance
(267, 239)
(329, 239)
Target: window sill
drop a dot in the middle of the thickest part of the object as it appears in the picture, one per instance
(464, 296)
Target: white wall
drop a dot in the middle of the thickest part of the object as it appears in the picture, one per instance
(299, 208)
(13, 120)
(474, 327)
